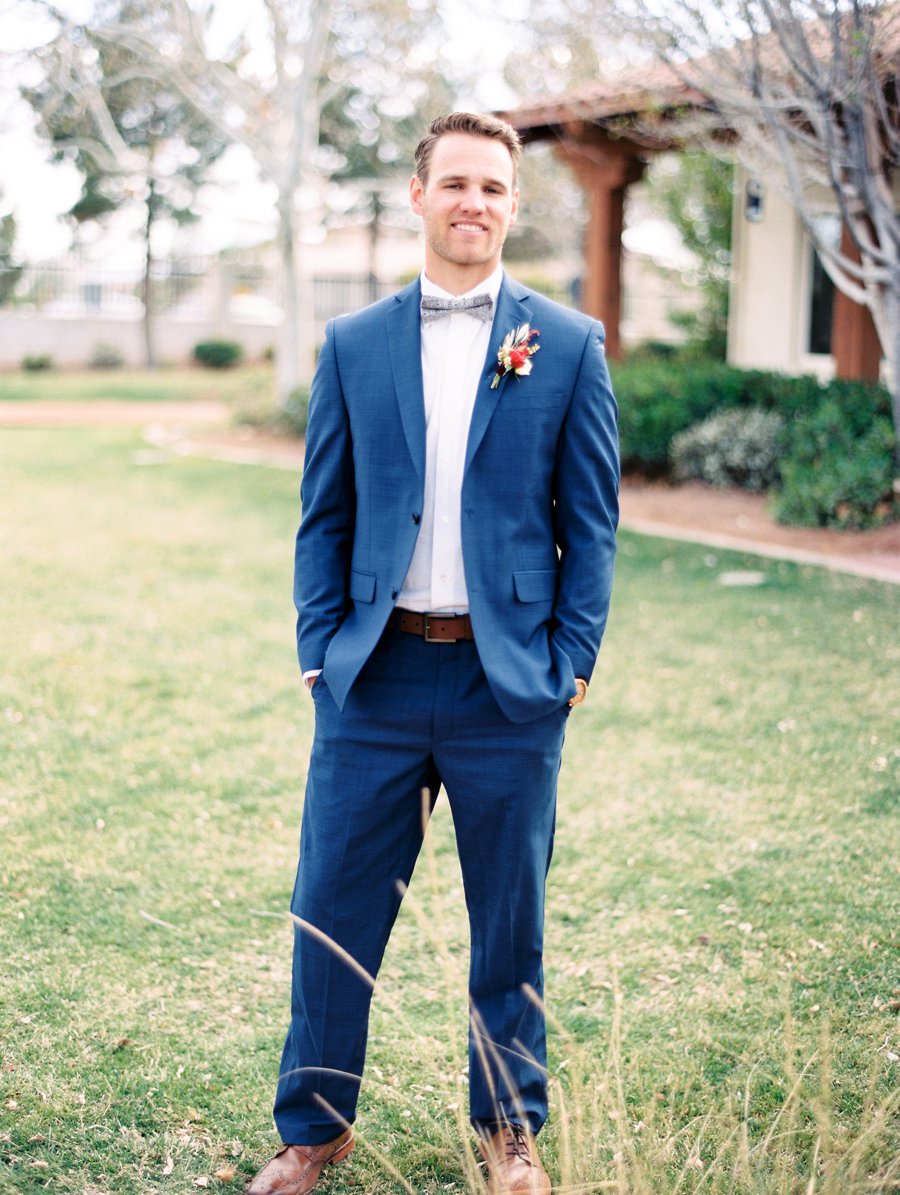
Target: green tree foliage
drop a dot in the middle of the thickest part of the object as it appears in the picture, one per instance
(562, 45)
(133, 138)
(261, 75)
(10, 267)
(806, 92)
(693, 190)
(367, 140)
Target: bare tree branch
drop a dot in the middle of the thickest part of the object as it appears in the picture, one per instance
(807, 90)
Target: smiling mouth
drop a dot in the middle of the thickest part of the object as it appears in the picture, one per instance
(461, 227)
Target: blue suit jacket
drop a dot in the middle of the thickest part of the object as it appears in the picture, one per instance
(539, 498)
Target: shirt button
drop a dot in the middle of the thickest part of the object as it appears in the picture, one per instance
(443, 576)
(445, 519)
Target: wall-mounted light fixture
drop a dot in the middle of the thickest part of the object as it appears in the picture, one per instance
(754, 201)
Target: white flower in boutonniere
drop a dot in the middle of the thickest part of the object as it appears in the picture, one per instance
(515, 354)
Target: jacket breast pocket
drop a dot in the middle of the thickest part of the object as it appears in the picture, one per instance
(518, 395)
(362, 586)
(535, 585)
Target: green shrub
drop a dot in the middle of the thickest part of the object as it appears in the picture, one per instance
(654, 350)
(838, 470)
(860, 403)
(291, 418)
(37, 362)
(738, 447)
(218, 354)
(658, 399)
(106, 356)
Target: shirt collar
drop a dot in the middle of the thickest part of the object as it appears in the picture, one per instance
(490, 286)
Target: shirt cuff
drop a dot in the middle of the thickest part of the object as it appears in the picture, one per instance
(309, 677)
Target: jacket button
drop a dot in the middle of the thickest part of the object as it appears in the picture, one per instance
(416, 518)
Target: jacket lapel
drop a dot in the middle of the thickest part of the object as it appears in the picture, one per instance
(511, 313)
(405, 350)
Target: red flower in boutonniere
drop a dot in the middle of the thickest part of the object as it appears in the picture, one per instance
(515, 354)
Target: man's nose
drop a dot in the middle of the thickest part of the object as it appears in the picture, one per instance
(472, 199)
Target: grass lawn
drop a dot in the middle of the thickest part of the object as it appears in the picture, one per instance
(249, 383)
(724, 906)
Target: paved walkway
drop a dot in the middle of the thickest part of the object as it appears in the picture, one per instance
(724, 519)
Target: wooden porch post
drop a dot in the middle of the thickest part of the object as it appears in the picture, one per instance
(854, 342)
(605, 178)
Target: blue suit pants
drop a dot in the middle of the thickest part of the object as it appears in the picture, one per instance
(420, 715)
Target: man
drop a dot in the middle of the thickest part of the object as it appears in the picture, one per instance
(453, 574)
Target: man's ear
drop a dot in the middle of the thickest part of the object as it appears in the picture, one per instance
(515, 206)
(416, 194)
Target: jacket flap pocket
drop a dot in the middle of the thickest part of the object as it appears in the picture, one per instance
(535, 585)
(362, 586)
(524, 395)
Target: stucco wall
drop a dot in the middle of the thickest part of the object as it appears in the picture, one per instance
(768, 322)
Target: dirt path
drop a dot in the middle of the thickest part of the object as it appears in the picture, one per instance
(737, 519)
(693, 512)
(111, 413)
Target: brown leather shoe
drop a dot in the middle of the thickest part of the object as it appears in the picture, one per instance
(514, 1167)
(295, 1169)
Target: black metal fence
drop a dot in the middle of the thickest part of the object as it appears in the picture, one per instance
(193, 287)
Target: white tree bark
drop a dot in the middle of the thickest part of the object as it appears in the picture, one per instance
(265, 93)
(267, 97)
(275, 118)
(808, 90)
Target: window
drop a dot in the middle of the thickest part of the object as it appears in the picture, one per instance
(821, 305)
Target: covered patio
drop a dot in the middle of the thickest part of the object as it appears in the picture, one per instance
(607, 134)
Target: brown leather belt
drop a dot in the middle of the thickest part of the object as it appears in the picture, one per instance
(433, 628)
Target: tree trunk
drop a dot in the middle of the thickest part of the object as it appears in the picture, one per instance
(885, 311)
(374, 236)
(294, 358)
(147, 282)
(892, 353)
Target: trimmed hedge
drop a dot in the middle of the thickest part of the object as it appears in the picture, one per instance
(218, 354)
(106, 356)
(37, 363)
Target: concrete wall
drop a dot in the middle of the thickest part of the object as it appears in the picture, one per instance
(70, 339)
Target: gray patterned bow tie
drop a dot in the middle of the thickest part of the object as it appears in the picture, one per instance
(481, 307)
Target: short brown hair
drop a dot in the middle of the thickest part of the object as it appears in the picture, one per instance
(476, 125)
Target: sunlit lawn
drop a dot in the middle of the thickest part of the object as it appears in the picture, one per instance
(724, 904)
(245, 383)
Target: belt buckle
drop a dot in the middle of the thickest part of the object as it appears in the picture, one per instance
(427, 636)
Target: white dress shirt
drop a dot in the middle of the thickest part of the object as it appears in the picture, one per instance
(454, 351)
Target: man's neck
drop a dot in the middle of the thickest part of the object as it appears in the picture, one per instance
(458, 280)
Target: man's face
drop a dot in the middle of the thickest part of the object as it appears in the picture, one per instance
(466, 206)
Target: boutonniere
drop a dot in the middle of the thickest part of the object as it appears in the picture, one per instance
(515, 354)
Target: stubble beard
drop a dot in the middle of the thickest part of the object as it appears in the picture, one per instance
(461, 255)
